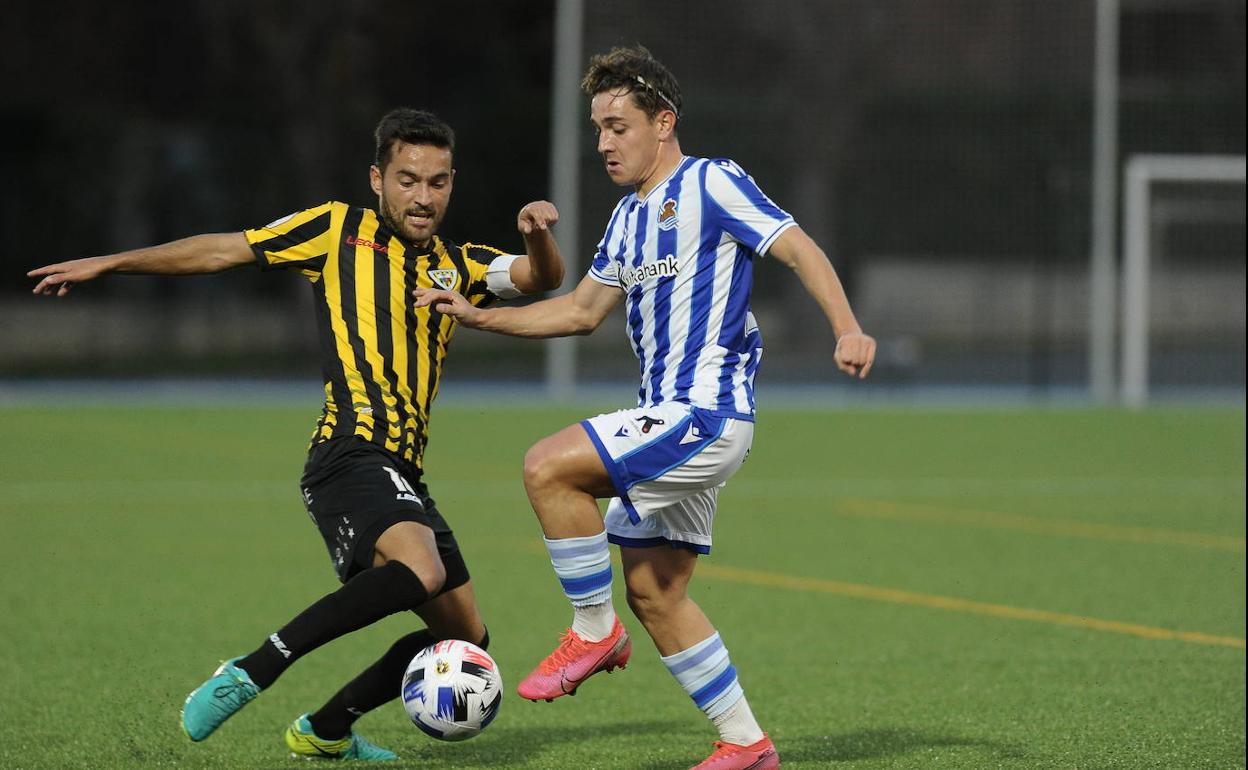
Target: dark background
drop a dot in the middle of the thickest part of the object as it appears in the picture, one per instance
(939, 150)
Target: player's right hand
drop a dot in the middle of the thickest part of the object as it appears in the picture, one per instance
(855, 354)
(450, 303)
(58, 279)
(538, 215)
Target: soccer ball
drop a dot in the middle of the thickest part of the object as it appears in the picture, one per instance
(452, 690)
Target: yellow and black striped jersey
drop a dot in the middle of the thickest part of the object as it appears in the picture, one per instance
(381, 357)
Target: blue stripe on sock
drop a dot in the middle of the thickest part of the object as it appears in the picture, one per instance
(716, 688)
(560, 550)
(682, 666)
(588, 584)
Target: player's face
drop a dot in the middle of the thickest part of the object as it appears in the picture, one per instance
(628, 140)
(415, 189)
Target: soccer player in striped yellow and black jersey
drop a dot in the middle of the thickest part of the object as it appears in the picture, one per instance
(381, 358)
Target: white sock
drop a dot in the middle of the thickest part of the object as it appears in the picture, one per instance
(593, 622)
(706, 673)
(583, 565)
(737, 724)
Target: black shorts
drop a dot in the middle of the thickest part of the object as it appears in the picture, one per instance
(355, 490)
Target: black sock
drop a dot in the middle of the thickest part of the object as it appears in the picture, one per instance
(379, 684)
(366, 598)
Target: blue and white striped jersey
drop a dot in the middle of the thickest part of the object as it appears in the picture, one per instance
(684, 255)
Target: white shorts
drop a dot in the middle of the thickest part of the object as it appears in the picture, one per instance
(667, 463)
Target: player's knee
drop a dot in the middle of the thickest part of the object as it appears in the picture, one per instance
(430, 572)
(433, 577)
(540, 467)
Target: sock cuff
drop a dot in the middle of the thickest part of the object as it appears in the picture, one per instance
(573, 547)
(682, 661)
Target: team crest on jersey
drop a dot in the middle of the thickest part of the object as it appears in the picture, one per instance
(667, 215)
(445, 278)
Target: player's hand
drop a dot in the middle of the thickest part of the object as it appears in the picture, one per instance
(855, 353)
(58, 279)
(450, 303)
(538, 215)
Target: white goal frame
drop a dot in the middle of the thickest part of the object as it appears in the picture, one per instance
(1139, 175)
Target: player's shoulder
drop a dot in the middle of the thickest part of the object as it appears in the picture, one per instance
(300, 216)
(625, 203)
(726, 166)
(477, 252)
(335, 207)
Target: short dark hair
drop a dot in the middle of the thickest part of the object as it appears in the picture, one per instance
(413, 127)
(634, 70)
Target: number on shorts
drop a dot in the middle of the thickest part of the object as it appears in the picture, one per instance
(399, 482)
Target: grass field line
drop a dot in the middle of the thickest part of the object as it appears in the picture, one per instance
(887, 509)
(954, 604)
(935, 601)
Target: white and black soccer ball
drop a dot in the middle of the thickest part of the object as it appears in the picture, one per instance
(452, 690)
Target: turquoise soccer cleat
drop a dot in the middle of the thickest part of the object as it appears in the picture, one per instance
(306, 744)
(216, 700)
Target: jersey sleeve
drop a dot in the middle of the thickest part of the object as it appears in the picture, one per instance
(744, 211)
(300, 241)
(489, 274)
(604, 268)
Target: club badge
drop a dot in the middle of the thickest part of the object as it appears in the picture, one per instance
(447, 279)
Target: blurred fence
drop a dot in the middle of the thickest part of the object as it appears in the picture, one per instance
(939, 150)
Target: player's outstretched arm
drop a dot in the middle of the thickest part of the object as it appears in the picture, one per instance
(541, 269)
(580, 311)
(855, 351)
(197, 254)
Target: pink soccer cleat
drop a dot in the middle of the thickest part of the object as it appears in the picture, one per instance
(760, 755)
(574, 661)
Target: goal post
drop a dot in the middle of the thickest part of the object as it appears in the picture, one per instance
(1140, 174)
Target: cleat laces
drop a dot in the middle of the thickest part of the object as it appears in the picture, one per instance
(570, 648)
(235, 693)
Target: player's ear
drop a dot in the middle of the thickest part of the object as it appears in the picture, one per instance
(666, 123)
(374, 179)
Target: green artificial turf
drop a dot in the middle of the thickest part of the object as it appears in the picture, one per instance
(934, 589)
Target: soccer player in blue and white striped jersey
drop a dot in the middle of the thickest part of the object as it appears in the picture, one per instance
(679, 251)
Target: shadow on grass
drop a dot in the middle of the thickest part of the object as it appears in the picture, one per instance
(517, 746)
(880, 743)
(539, 746)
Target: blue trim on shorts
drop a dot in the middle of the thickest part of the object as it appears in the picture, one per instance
(613, 470)
(726, 413)
(653, 542)
(616, 480)
(670, 431)
(672, 455)
(630, 509)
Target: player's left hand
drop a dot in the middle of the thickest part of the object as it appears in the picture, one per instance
(535, 216)
(59, 278)
(855, 353)
(450, 303)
